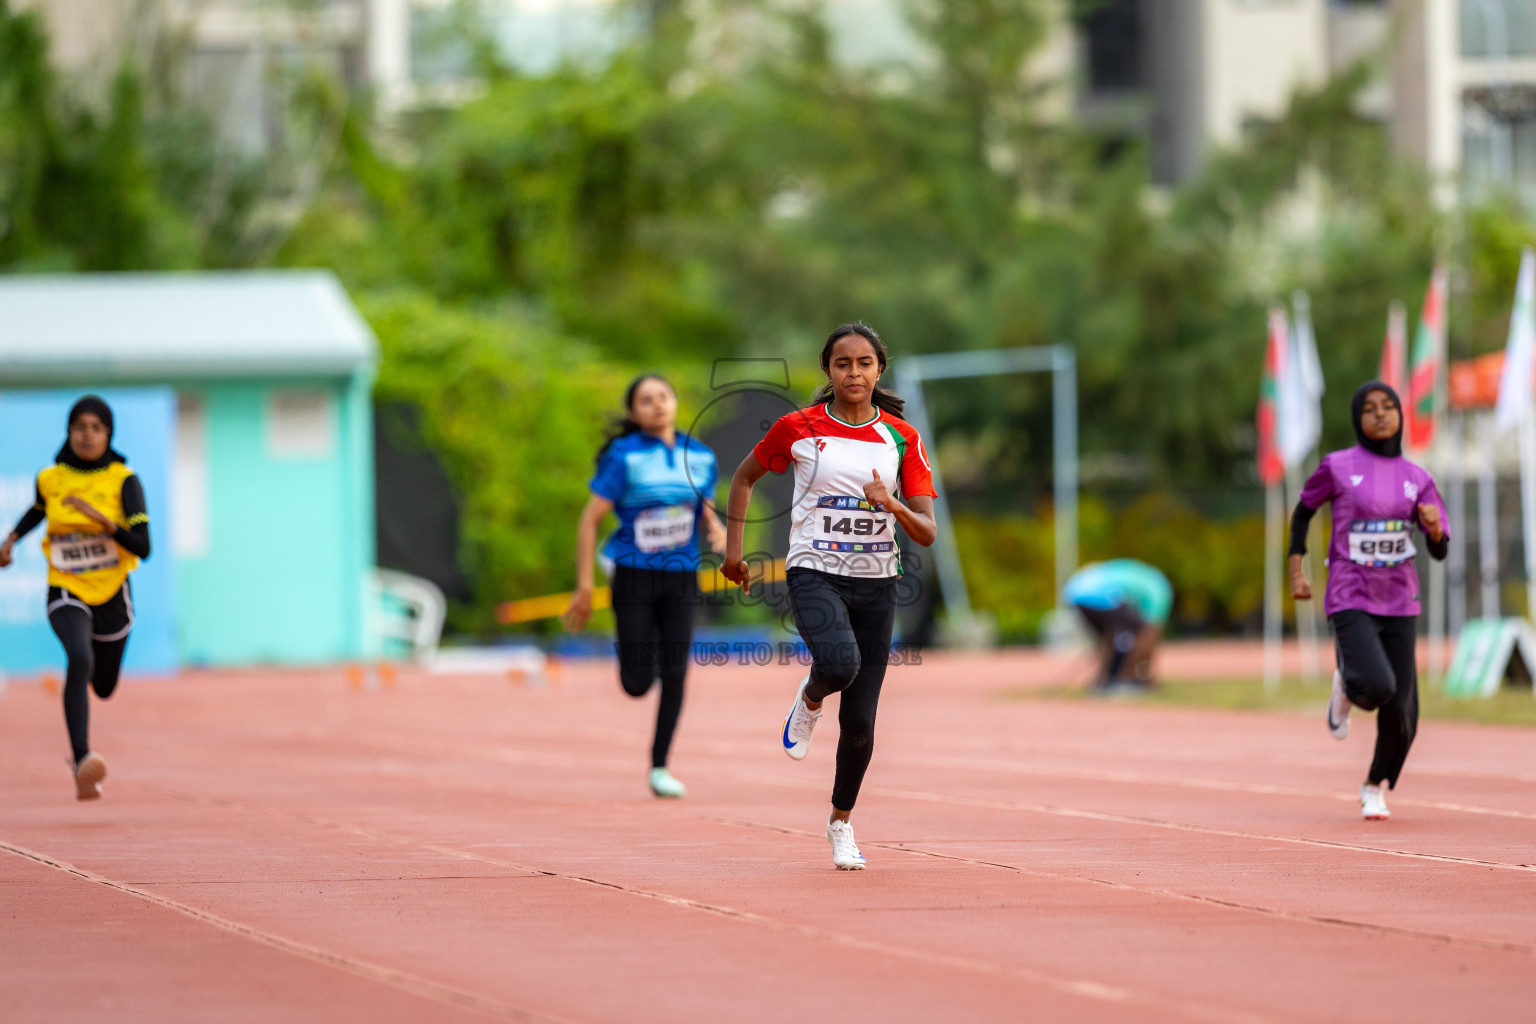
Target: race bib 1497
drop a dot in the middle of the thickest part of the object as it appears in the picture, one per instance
(845, 523)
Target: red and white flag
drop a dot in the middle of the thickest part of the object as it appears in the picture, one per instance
(1271, 465)
(1427, 365)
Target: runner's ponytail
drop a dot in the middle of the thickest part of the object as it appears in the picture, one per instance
(883, 399)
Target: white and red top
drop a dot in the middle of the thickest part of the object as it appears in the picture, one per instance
(832, 528)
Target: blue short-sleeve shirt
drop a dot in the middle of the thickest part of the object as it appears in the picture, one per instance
(658, 495)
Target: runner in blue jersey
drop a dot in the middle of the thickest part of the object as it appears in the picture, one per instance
(660, 483)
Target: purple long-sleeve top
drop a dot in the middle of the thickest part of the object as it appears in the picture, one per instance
(1376, 502)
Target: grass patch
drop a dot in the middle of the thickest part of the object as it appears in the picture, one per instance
(1510, 706)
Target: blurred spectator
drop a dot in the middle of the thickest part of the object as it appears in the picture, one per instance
(1126, 603)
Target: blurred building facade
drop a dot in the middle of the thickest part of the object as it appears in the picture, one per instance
(1456, 85)
(266, 462)
(1456, 81)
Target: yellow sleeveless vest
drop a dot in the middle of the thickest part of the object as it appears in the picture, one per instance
(82, 558)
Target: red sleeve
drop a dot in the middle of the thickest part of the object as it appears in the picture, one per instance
(772, 451)
(916, 474)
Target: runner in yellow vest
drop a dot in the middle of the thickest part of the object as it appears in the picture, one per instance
(98, 530)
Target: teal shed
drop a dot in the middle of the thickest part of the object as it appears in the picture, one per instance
(271, 520)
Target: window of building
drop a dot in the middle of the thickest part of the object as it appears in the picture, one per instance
(1498, 28)
(1114, 40)
(300, 424)
(1499, 142)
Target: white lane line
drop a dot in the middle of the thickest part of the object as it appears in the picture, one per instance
(1140, 778)
(422, 747)
(418, 986)
(1300, 918)
(1222, 756)
(1081, 987)
(1131, 819)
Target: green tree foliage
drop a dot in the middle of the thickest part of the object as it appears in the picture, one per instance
(724, 186)
(515, 415)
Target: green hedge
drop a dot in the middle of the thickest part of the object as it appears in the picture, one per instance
(1216, 567)
(515, 413)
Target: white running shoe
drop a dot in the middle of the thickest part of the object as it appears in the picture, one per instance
(88, 775)
(1373, 802)
(1338, 708)
(664, 785)
(799, 724)
(845, 852)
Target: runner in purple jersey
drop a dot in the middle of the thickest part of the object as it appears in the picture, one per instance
(1379, 499)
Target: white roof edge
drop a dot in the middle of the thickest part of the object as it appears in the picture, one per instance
(180, 325)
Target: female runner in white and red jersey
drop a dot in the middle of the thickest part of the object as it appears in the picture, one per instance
(847, 449)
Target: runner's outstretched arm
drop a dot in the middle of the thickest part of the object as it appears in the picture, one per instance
(580, 609)
(742, 481)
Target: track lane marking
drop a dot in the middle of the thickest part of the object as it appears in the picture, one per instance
(414, 984)
(1289, 915)
(1081, 987)
(1132, 819)
(1140, 778)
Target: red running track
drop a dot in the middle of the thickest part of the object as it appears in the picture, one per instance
(279, 847)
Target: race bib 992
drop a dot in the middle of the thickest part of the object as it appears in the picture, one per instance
(1380, 543)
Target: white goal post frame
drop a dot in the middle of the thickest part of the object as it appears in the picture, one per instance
(1060, 361)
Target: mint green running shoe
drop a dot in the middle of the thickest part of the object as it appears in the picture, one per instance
(665, 786)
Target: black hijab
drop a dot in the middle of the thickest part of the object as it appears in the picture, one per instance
(1392, 447)
(98, 408)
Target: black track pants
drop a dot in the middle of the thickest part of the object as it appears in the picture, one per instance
(846, 622)
(653, 609)
(1376, 659)
(94, 639)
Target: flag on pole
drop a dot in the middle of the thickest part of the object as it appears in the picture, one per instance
(1301, 388)
(1394, 350)
(1394, 357)
(1271, 466)
(1427, 364)
(1519, 351)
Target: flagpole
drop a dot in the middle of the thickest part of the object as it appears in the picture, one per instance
(1514, 407)
(1306, 611)
(1528, 508)
(1456, 564)
(1488, 520)
(1274, 514)
(1437, 303)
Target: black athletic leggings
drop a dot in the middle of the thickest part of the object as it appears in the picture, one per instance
(653, 609)
(846, 622)
(93, 663)
(1376, 658)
